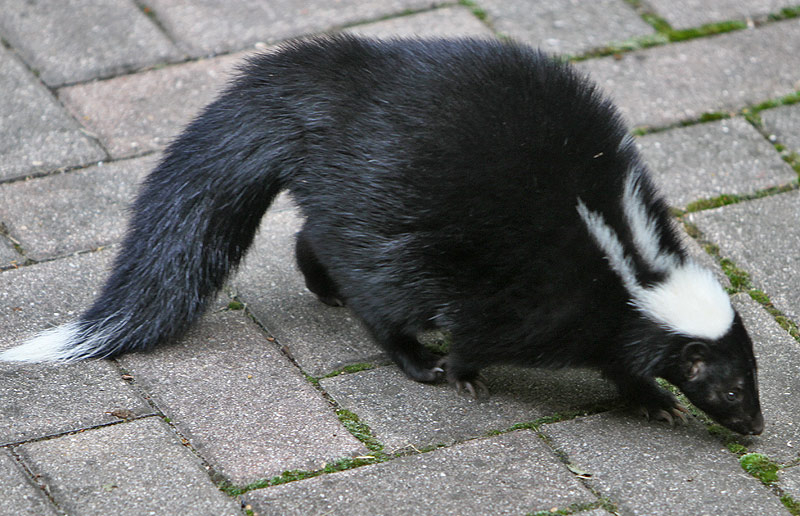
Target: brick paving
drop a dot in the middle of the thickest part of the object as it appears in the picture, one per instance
(287, 406)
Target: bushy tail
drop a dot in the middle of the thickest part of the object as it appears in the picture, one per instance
(195, 217)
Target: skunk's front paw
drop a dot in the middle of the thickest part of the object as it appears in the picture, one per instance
(671, 415)
(465, 382)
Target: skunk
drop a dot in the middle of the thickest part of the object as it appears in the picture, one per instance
(478, 187)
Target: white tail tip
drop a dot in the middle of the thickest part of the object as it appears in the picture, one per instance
(55, 345)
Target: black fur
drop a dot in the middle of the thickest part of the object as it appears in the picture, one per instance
(438, 181)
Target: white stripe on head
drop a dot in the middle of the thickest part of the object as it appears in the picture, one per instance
(644, 228)
(689, 301)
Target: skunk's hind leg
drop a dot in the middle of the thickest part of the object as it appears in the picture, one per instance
(400, 344)
(316, 275)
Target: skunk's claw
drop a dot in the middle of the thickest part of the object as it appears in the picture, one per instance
(475, 388)
(674, 414)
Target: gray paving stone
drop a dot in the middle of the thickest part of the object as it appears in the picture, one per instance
(515, 473)
(651, 468)
(784, 122)
(445, 22)
(68, 42)
(21, 497)
(761, 237)
(142, 112)
(682, 14)
(320, 338)
(565, 26)
(214, 26)
(708, 160)
(41, 400)
(404, 413)
(36, 134)
(75, 211)
(777, 354)
(663, 85)
(790, 481)
(242, 405)
(130, 468)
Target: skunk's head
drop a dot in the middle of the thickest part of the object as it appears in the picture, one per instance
(685, 329)
(710, 353)
(719, 377)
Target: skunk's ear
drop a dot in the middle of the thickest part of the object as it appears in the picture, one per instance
(693, 360)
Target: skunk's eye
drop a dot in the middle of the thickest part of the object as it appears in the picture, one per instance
(733, 396)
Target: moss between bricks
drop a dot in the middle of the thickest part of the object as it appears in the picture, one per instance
(726, 199)
(791, 504)
(664, 33)
(575, 508)
(360, 430)
(476, 11)
(761, 467)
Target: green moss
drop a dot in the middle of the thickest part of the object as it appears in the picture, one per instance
(715, 202)
(706, 30)
(761, 467)
(473, 7)
(235, 305)
(791, 504)
(759, 296)
(736, 448)
(360, 431)
(299, 474)
(740, 280)
(575, 508)
(785, 323)
(712, 116)
(786, 100)
(352, 368)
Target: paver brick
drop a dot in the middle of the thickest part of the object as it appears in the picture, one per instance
(565, 26)
(75, 211)
(683, 14)
(445, 22)
(651, 468)
(129, 468)
(761, 237)
(132, 114)
(707, 160)
(663, 85)
(783, 122)
(215, 26)
(21, 497)
(515, 473)
(241, 404)
(37, 134)
(68, 42)
(404, 413)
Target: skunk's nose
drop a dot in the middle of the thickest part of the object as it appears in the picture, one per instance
(757, 425)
